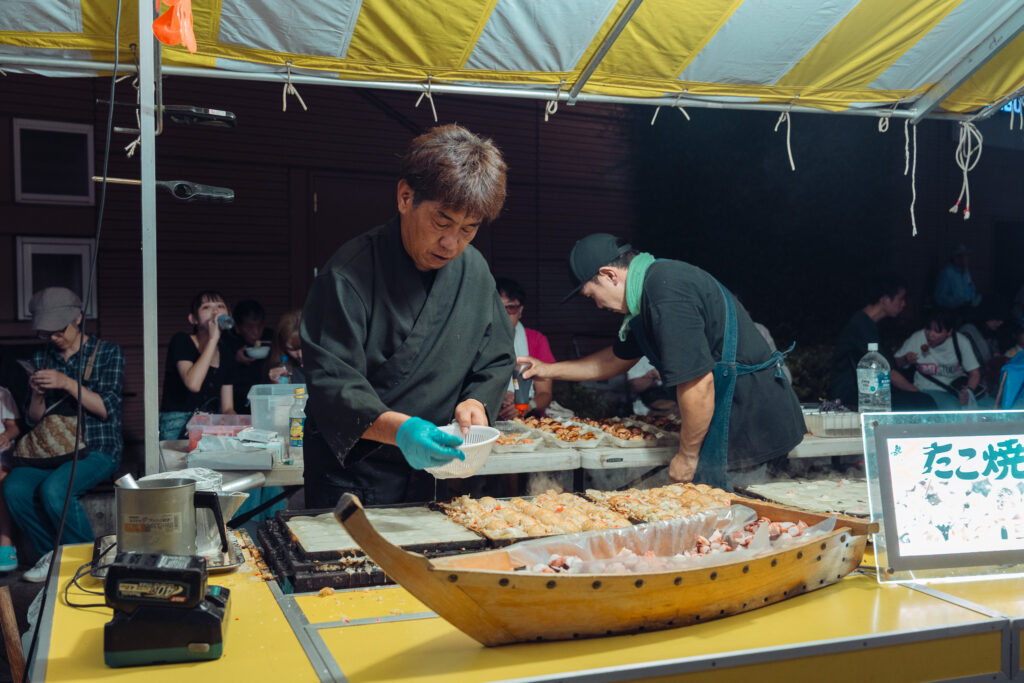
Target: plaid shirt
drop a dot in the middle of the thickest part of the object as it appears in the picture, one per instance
(102, 435)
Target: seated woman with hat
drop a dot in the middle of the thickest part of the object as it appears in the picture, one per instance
(35, 493)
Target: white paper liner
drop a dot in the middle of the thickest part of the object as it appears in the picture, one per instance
(599, 551)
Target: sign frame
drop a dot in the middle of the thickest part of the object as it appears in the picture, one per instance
(878, 430)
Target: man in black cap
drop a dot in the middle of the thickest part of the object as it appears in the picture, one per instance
(737, 408)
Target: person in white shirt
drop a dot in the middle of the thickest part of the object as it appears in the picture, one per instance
(944, 362)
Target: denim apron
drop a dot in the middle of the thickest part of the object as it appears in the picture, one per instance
(711, 468)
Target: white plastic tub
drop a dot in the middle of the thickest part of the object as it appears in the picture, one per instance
(270, 404)
(833, 424)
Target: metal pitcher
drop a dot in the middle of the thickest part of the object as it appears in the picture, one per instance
(160, 516)
(210, 528)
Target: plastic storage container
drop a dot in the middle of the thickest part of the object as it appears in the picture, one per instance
(218, 425)
(270, 404)
(833, 424)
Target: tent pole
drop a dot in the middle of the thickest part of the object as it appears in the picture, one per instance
(602, 49)
(985, 49)
(538, 92)
(147, 176)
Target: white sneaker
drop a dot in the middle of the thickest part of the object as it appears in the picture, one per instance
(38, 573)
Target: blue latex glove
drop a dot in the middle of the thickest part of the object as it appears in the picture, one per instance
(424, 445)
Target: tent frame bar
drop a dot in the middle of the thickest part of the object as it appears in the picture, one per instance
(149, 70)
(983, 51)
(884, 110)
(998, 104)
(602, 50)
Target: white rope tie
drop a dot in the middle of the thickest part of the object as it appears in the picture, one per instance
(883, 122)
(551, 108)
(910, 163)
(784, 116)
(132, 146)
(1017, 109)
(968, 153)
(678, 106)
(675, 105)
(430, 97)
(2, 72)
(906, 146)
(289, 89)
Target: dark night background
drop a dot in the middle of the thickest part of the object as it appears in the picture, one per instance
(800, 247)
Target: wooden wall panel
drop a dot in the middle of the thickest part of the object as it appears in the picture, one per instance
(567, 177)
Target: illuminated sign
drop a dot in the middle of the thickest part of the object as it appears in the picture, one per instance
(952, 494)
(1013, 106)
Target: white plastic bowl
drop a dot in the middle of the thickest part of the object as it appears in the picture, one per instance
(257, 352)
(476, 446)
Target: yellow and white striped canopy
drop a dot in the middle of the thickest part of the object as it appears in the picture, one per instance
(918, 56)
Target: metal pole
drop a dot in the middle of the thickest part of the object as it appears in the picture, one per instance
(147, 189)
(602, 50)
(534, 92)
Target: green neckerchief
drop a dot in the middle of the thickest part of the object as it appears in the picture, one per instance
(634, 288)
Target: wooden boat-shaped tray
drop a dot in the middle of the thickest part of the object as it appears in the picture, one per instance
(482, 595)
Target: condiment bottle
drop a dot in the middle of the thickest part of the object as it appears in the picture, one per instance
(521, 389)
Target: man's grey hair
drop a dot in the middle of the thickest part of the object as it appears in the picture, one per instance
(460, 170)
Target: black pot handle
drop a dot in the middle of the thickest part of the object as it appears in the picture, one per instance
(209, 499)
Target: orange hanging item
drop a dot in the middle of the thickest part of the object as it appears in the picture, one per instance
(175, 25)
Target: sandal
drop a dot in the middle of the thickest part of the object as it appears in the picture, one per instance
(8, 558)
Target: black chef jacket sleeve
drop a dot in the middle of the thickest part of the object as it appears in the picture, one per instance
(334, 329)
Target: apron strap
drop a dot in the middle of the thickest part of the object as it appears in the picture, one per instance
(712, 467)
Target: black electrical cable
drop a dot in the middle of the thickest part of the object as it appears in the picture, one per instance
(88, 569)
(81, 351)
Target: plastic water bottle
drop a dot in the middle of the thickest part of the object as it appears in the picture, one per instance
(297, 426)
(874, 393)
(285, 377)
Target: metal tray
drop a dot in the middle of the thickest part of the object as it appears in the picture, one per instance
(509, 427)
(612, 440)
(225, 561)
(104, 550)
(587, 443)
(427, 548)
(665, 436)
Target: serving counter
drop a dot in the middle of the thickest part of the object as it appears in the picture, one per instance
(174, 456)
(544, 459)
(851, 631)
